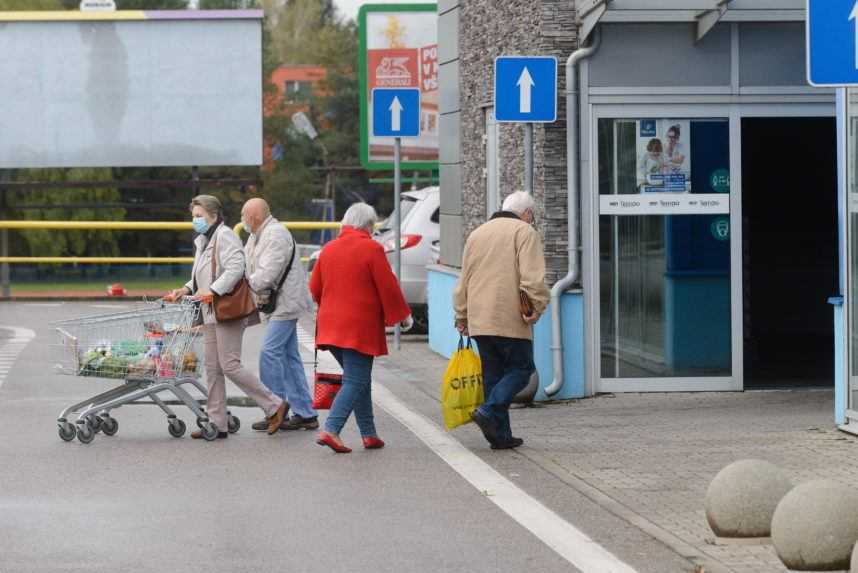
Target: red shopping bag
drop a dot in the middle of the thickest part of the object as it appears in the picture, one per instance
(325, 388)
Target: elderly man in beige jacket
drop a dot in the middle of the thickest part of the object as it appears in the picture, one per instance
(275, 273)
(503, 258)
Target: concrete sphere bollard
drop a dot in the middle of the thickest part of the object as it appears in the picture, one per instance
(815, 526)
(743, 496)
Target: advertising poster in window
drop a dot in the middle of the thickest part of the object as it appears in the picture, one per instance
(664, 156)
(399, 49)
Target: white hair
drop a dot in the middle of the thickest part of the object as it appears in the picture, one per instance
(360, 216)
(518, 202)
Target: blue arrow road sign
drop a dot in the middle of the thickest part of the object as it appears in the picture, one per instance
(396, 112)
(526, 89)
(832, 42)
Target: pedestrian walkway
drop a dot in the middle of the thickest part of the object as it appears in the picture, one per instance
(649, 458)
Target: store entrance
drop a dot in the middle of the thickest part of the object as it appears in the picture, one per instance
(789, 250)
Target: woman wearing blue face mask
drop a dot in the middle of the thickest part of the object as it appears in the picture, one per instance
(217, 243)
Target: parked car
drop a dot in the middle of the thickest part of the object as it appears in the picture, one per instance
(420, 239)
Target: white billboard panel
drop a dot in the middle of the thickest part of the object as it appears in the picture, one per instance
(131, 89)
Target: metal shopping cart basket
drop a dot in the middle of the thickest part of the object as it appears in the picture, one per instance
(153, 349)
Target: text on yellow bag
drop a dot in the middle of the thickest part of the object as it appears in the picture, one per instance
(462, 387)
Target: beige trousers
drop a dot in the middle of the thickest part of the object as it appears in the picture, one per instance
(223, 357)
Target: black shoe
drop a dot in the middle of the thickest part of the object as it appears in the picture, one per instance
(297, 422)
(487, 426)
(512, 443)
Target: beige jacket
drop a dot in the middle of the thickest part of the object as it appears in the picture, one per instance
(268, 252)
(501, 257)
(229, 260)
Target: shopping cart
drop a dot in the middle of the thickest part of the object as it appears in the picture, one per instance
(154, 349)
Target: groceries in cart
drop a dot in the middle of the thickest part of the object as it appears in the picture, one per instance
(138, 358)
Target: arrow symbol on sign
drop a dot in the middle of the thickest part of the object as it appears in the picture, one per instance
(525, 83)
(854, 16)
(395, 114)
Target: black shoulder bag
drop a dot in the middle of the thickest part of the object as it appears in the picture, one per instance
(266, 301)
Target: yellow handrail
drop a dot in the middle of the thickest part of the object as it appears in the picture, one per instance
(130, 226)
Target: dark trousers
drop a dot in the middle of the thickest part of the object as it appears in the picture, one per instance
(507, 366)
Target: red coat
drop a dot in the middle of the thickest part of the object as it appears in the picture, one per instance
(357, 294)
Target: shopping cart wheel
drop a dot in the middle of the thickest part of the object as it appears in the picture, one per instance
(67, 431)
(94, 423)
(109, 425)
(177, 428)
(233, 423)
(209, 432)
(85, 434)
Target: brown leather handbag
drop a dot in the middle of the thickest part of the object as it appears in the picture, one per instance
(235, 305)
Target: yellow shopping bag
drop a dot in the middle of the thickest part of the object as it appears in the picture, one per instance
(462, 388)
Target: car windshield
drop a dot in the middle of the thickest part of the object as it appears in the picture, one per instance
(406, 203)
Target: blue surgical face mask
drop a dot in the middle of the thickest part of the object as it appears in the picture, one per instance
(200, 225)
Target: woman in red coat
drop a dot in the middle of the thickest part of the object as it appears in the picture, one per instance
(358, 296)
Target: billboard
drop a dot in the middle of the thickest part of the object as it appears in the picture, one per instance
(399, 49)
(130, 88)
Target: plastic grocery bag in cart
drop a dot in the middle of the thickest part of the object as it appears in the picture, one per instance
(462, 388)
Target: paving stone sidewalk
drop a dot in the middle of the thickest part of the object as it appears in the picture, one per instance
(652, 456)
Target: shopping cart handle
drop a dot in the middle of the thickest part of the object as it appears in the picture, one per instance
(204, 298)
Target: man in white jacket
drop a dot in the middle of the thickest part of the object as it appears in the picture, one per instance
(271, 251)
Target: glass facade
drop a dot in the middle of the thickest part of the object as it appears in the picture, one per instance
(664, 248)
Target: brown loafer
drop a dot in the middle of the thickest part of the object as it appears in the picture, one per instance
(276, 419)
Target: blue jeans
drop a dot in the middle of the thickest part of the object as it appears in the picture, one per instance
(507, 366)
(355, 394)
(281, 368)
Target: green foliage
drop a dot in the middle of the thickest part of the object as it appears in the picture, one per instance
(304, 31)
(30, 5)
(55, 204)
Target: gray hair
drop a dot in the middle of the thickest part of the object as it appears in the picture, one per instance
(360, 216)
(209, 203)
(519, 202)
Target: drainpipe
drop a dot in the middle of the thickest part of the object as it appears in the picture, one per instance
(573, 275)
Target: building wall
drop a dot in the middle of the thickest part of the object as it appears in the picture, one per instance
(449, 132)
(487, 29)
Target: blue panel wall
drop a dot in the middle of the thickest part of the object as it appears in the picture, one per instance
(443, 336)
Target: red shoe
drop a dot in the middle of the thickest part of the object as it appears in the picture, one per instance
(372, 443)
(326, 439)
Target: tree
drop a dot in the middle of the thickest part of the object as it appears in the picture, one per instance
(309, 32)
(69, 204)
(30, 5)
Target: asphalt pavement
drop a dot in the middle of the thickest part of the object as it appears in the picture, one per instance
(145, 501)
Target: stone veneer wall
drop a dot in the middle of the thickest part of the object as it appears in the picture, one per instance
(487, 29)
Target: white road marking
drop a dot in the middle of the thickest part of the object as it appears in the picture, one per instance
(562, 537)
(12, 347)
